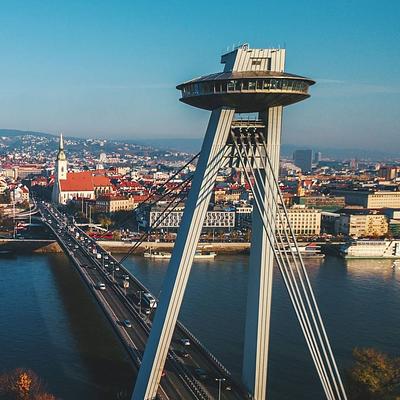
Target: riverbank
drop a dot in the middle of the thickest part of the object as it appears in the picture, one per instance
(27, 246)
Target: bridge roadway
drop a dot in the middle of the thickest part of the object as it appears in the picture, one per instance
(190, 371)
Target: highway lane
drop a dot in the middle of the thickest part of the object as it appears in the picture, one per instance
(134, 338)
(191, 371)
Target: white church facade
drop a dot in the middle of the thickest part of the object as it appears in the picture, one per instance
(76, 185)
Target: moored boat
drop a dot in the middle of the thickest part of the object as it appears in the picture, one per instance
(163, 255)
(366, 248)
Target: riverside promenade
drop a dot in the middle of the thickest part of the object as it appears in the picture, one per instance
(51, 246)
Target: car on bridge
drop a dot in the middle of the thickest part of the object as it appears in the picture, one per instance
(182, 353)
(185, 341)
(101, 286)
(127, 323)
(201, 374)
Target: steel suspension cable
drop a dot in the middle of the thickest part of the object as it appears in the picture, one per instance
(335, 378)
(289, 284)
(184, 184)
(338, 379)
(150, 196)
(288, 275)
(158, 220)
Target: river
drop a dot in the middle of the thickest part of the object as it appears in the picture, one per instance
(49, 322)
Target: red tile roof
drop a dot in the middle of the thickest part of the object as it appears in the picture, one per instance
(83, 181)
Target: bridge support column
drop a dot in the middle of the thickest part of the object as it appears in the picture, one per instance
(258, 313)
(211, 158)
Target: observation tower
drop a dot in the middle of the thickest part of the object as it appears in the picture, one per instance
(253, 81)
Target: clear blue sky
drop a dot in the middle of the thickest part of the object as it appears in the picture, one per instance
(109, 68)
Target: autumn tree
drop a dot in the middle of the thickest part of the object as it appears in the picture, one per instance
(105, 221)
(374, 376)
(22, 384)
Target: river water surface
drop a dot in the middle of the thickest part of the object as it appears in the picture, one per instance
(49, 322)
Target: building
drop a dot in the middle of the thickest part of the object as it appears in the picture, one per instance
(243, 215)
(370, 199)
(226, 196)
(22, 171)
(388, 173)
(304, 221)
(362, 223)
(303, 159)
(325, 203)
(394, 227)
(72, 185)
(214, 219)
(21, 194)
(317, 157)
(110, 204)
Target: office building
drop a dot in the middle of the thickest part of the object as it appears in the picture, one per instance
(362, 223)
(303, 159)
(304, 221)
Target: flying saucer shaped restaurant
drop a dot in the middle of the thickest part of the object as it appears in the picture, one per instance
(249, 91)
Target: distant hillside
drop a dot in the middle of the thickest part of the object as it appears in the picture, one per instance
(41, 144)
(15, 132)
(13, 136)
(341, 153)
(178, 144)
(194, 145)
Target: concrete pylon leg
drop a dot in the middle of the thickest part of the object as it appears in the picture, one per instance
(212, 155)
(256, 345)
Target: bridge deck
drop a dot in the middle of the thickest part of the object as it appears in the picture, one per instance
(181, 380)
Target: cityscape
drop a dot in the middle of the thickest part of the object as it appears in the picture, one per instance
(245, 247)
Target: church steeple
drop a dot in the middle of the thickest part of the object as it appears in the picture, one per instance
(61, 163)
(61, 155)
(60, 173)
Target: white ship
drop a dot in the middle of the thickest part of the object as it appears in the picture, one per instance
(371, 249)
(309, 250)
(163, 255)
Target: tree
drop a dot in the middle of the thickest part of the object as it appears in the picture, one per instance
(25, 205)
(374, 375)
(105, 221)
(22, 384)
(5, 198)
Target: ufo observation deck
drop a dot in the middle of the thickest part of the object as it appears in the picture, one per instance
(246, 92)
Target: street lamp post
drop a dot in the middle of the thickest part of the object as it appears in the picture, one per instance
(126, 285)
(140, 301)
(90, 216)
(220, 380)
